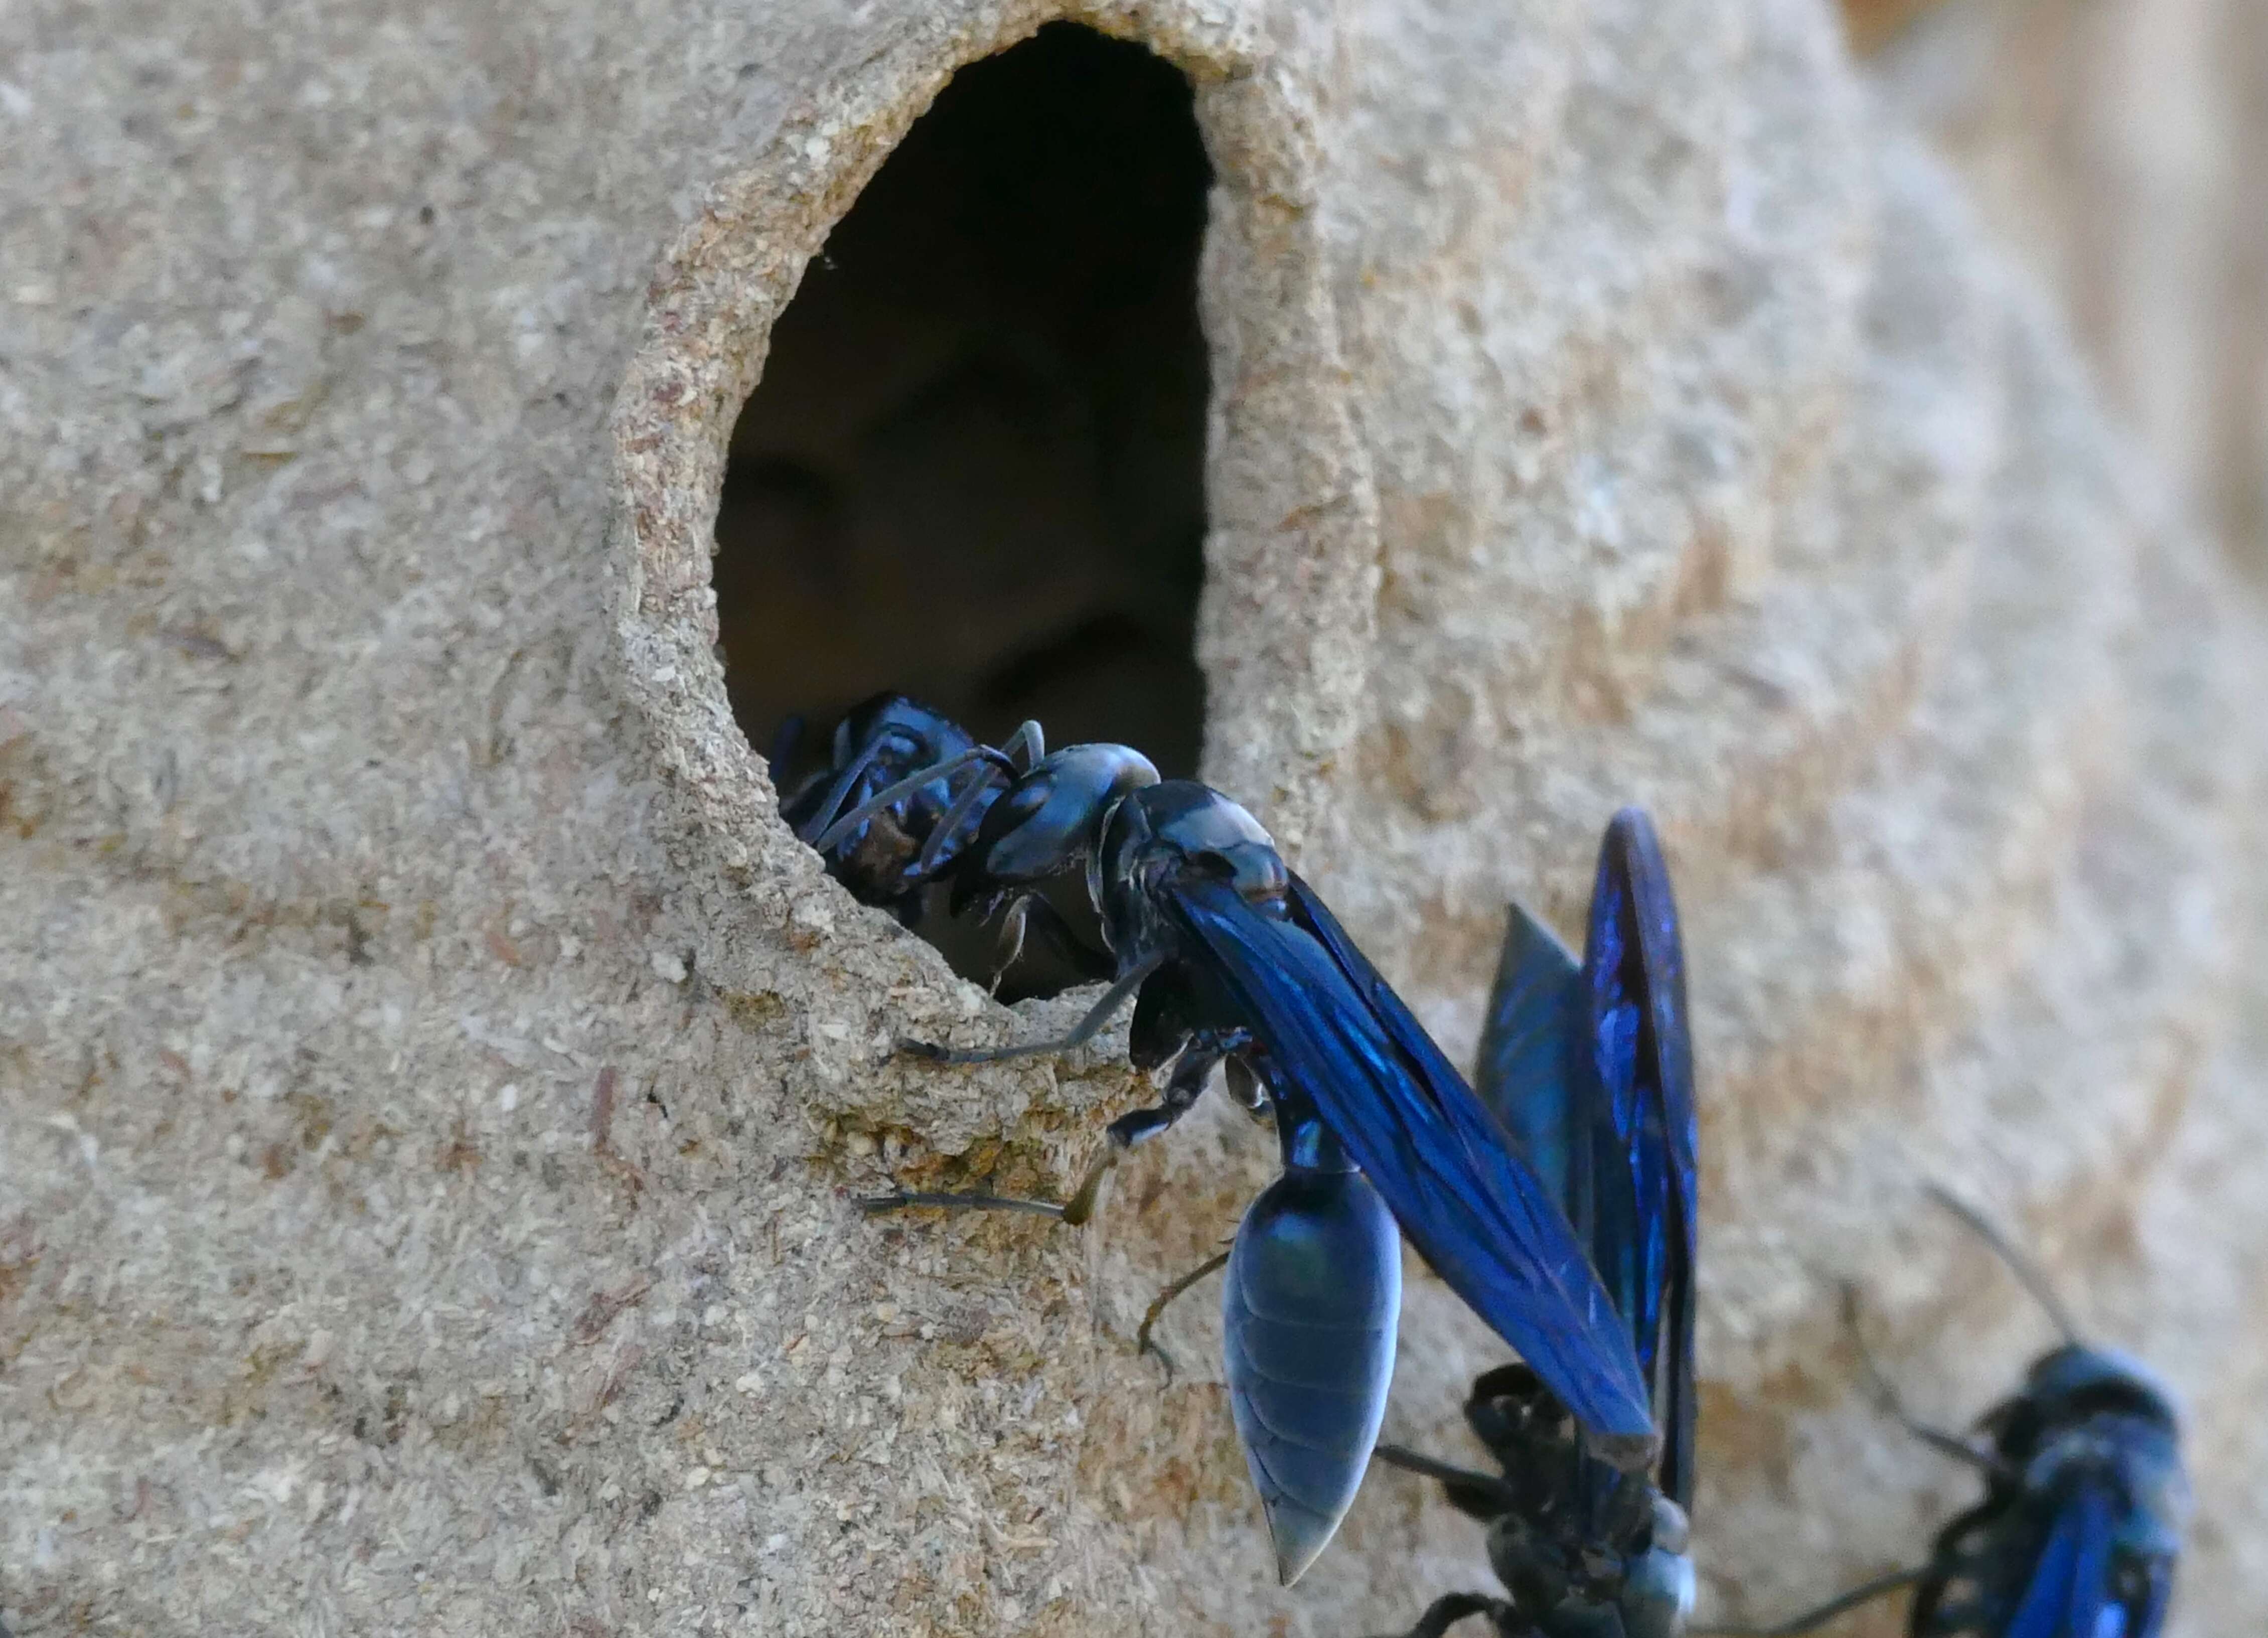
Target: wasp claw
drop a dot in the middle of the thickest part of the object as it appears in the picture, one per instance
(1164, 1359)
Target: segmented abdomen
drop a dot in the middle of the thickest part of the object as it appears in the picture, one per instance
(1307, 1320)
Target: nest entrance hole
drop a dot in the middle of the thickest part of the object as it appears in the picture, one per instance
(974, 467)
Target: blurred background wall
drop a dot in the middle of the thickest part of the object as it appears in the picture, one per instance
(2118, 147)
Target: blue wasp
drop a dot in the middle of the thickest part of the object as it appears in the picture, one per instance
(2085, 1495)
(1232, 960)
(1590, 1069)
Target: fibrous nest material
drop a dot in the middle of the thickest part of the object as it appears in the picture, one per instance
(433, 1086)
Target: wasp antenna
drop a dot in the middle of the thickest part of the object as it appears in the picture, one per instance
(1893, 1403)
(2027, 1271)
(904, 788)
(1027, 748)
(955, 817)
(838, 793)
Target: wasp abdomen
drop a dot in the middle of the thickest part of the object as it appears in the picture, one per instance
(1308, 1318)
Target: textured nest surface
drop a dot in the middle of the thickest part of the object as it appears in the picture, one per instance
(431, 1081)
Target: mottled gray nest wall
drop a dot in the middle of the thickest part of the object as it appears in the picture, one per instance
(431, 1081)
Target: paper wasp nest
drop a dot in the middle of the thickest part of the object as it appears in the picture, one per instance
(432, 1084)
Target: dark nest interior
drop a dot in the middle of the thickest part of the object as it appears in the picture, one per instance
(973, 469)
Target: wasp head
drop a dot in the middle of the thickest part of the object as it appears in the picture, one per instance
(2077, 1378)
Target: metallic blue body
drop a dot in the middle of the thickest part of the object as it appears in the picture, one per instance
(1589, 1069)
(2084, 1503)
(2080, 1525)
(1308, 1315)
(1233, 960)
(1257, 951)
(1248, 965)
(2086, 1499)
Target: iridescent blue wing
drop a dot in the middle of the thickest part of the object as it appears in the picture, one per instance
(1533, 1072)
(1644, 1216)
(2068, 1594)
(1590, 1068)
(1330, 1025)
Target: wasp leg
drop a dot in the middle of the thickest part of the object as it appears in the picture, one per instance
(874, 1205)
(837, 793)
(1865, 1592)
(1886, 1395)
(1503, 1497)
(905, 787)
(1142, 1343)
(1085, 1031)
(1450, 1608)
(1192, 1070)
(1183, 1087)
